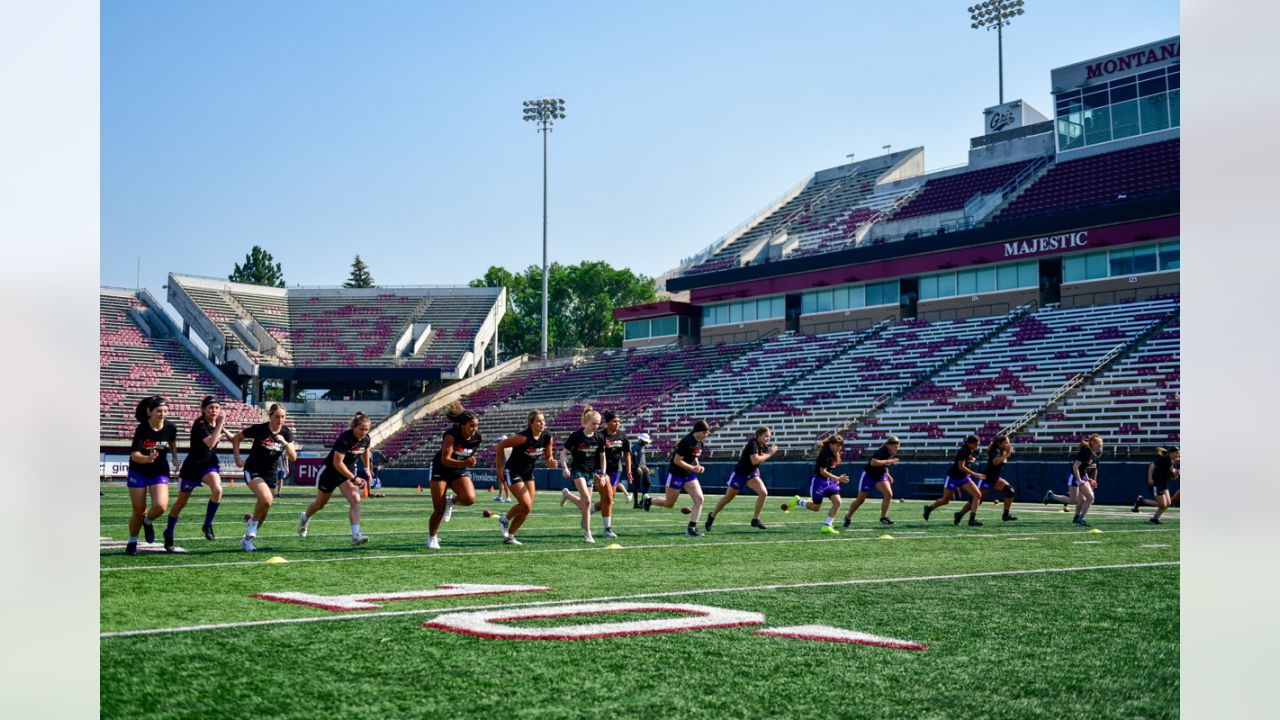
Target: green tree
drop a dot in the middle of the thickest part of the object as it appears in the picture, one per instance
(258, 269)
(581, 299)
(360, 277)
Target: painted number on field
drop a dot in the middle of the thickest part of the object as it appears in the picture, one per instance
(369, 601)
(487, 624)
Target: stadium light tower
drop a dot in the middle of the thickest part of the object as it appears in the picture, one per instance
(996, 14)
(544, 112)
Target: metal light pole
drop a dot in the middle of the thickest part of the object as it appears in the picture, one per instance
(996, 14)
(544, 112)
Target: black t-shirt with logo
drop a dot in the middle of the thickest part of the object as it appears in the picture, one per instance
(689, 450)
(201, 455)
(525, 455)
(462, 449)
(266, 450)
(995, 465)
(1164, 470)
(745, 467)
(584, 451)
(878, 471)
(963, 456)
(827, 460)
(351, 448)
(1087, 458)
(146, 439)
(615, 446)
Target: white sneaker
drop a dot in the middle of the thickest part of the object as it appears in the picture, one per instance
(586, 538)
(359, 539)
(511, 540)
(433, 543)
(302, 525)
(448, 508)
(247, 544)
(564, 496)
(610, 534)
(505, 524)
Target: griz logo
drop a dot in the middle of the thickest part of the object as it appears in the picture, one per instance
(1001, 120)
(491, 624)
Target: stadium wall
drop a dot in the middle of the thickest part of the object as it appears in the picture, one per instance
(959, 308)
(1119, 481)
(1123, 289)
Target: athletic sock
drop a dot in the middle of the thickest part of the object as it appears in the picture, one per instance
(802, 504)
(133, 539)
(608, 522)
(146, 519)
(173, 520)
(827, 520)
(251, 528)
(209, 512)
(355, 529)
(693, 526)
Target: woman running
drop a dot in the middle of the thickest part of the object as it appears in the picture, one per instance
(583, 458)
(149, 469)
(502, 484)
(1081, 481)
(682, 475)
(523, 450)
(271, 440)
(875, 474)
(640, 490)
(340, 474)
(747, 474)
(617, 455)
(960, 477)
(1159, 473)
(451, 468)
(201, 467)
(997, 456)
(824, 484)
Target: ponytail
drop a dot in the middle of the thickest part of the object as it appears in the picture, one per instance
(143, 411)
(1089, 440)
(359, 419)
(834, 439)
(587, 412)
(459, 415)
(1163, 452)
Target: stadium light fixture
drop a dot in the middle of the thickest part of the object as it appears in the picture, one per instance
(996, 14)
(544, 112)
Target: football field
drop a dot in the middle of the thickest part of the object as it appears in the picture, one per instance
(1034, 618)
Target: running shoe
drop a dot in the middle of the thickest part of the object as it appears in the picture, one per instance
(711, 518)
(1008, 518)
(586, 538)
(448, 508)
(755, 523)
(1048, 497)
(693, 532)
(359, 539)
(956, 517)
(433, 543)
(847, 519)
(975, 522)
(502, 519)
(247, 544)
(886, 521)
(168, 541)
(511, 540)
(131, 548)
(302, 524)
(148, 529)
(927, 509)
(1136, 504)
(208, 532)
(564, 497)
(828, 530)
(1154, 521)
(648, 503)
(610, 534)
(793, 502)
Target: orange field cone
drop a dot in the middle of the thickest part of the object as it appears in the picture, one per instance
(366, 491)
(419, 488)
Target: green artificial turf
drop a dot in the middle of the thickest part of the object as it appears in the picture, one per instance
(1092, 644)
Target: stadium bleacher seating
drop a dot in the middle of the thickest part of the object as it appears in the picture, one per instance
(951, 192)
(132, 365)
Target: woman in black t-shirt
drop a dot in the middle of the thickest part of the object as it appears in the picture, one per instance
(201, 467)
(149, 469)
(875, 474)
(526, 447)
(584, 462)
(451, 468)
(824, 483)
(1082, 480)
(997, 462)
(960, 476)
(747, 474)
(682, 475)
(271, 440)
(1159, 474)
(340, 474)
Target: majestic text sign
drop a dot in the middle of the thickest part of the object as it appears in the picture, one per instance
(1049, 243)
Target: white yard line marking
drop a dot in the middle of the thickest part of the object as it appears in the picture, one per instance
(1155, 546)
(1087, 542)
(639, 596)
(424, 555)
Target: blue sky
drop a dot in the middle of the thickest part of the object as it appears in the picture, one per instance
(320, 130)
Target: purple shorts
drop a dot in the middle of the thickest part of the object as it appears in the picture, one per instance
(1071, 479)
(821, 488)
(867, 483)
(955, 485)
(675, 482)
(134, 480)
(615, 477)
(985, 484)
(190, 481)
(737, 482)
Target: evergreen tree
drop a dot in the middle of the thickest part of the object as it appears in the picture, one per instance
(360, 277)
(258, 269)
